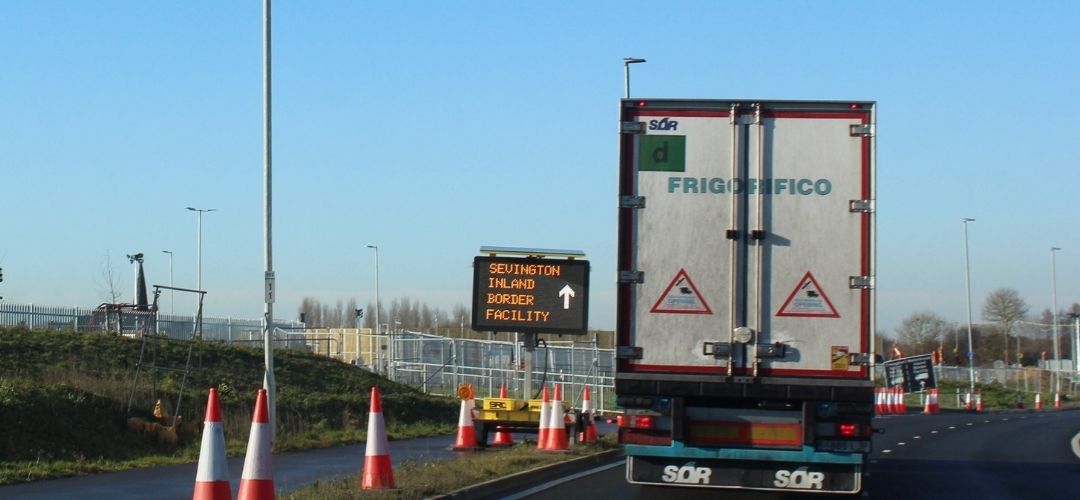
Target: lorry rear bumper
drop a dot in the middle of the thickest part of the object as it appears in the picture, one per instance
(808, 455)
(745, 474)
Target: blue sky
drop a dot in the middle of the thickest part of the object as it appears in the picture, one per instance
(433, 128)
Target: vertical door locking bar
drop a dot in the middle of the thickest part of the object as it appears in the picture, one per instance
(733, 242)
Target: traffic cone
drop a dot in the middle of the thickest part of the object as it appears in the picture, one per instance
(466, 435)
(1057, 400)
(257, 481)
(542, 430)
(212, 480)
(928, 407)
(557, 438)
(879, 401)
(502, 436)
(935, 405)
(968, 404)
(378, 472)
(588, 434)
(1038, 401)
(979, 402)
(901, 406)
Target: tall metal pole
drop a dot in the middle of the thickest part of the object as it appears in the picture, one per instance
(268, 311)
(967, 279)
(378, 324)
(1053, 292)
(627, 61)
(198, 250)
(172, 303)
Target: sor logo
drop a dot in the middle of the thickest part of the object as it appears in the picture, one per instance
(799, 479)
(687, 474)
(663, 124)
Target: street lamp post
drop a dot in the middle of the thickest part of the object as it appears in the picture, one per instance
(198, 275)
(172, 302)
(967, 279)
(378, 325)
(627, 61)
(1053, 295)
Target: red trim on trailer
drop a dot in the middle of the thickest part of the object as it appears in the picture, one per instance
(686, 113)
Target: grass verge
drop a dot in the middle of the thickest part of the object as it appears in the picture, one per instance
(422, 480)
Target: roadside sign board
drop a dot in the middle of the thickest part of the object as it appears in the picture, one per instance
(530, 295)
(914, 373)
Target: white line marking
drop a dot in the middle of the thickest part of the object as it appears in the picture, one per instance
(986, 421)
(918, 437)
(551, 484)
(901, 443)
(886, 451)
(952, 427)
(969, 424)
(933, 432)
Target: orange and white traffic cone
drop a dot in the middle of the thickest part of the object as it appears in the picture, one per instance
(1057, 400)
(901, 405)
(378, 472)
(979, 402)
(557, 438)
(879, 401)
(502, 436)
(545, 417)
(969, 403)
(212, 480)
(588, 434)
(928, 407)
(257, 481)
(935, 406)
(1038, 401)
(466, 435)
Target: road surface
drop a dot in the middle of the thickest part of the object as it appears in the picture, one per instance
(982, 456)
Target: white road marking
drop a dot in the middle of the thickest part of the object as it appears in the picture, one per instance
(952, 427)
(886, 451)
(918, 437)
(986, 421)
(933, 432)
(901, 443)
(969, 424)
(551, 484)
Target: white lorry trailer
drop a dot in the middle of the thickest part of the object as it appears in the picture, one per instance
(745, 305)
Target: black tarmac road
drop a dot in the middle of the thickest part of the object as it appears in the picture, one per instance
(1031, 455)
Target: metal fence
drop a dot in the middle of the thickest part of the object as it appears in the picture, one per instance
(174, 326)
(1028, 379)
(439, 365)
(434, 364)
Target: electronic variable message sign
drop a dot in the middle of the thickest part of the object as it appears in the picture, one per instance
(530, 295)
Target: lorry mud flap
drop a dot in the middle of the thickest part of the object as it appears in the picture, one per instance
(756, 475)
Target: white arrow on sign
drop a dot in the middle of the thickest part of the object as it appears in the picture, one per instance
(566, 293)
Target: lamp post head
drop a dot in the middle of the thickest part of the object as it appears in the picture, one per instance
(632, 60)
(967, 219)
(1054, 249)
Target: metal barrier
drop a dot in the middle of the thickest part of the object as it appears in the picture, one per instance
(435, 364)
(83, 319)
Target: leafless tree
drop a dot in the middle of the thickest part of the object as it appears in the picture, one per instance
(1005, 307)
(109, 281)
(921, 332)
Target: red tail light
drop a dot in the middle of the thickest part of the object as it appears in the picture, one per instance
(636, 421)
(847, 430)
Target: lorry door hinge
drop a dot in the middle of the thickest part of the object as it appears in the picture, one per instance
(862, 206)
(636, 277)
(862, 130)
(629, 352)
(631, 202)
(634, 127)
(866, 282)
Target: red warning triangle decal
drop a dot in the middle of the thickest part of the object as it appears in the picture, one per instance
(808, 300)
(681, 297)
